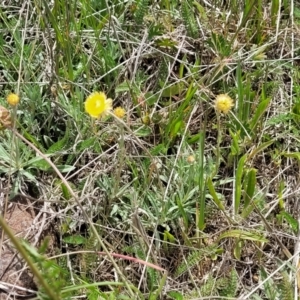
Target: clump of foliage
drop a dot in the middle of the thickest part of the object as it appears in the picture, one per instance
(161, 140)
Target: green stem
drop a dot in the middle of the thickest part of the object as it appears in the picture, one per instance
(219, 140)
(30, 263)
(201, 221)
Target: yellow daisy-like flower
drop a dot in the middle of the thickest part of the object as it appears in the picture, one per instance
(97, 105)
(119, 112)
(223, 103)
(13, 99)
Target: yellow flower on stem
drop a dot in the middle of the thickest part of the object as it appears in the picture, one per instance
(13, 99)
(97, 105)
(119, 112)
(223, 103)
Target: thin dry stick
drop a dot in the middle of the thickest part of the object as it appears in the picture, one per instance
(137, 260)
(79, 204)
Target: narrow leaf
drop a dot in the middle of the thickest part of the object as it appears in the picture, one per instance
(74, 239)
(238, 183)
(244, 235)
(250, 186)
(261, 108)
(214, 195)
(260, 148)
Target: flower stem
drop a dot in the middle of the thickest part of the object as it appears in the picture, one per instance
(219, 140)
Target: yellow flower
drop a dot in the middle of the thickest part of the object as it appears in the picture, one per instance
(191, 159)
(119, 112)
(97, 105)
(13, 99)
(146, 119)
(223, 103)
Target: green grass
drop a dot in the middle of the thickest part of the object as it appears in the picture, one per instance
(186, 194)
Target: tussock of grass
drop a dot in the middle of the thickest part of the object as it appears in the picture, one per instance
(174, 198)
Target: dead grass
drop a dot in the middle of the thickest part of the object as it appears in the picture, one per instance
(222, 227)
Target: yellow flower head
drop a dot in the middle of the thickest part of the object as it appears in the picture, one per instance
(146, 119)
(223, 103)
(13, 99)
(191, 159)
(97, 105)
(119, 112)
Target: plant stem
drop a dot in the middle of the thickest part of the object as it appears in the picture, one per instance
(28, 260)
(219, 140)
